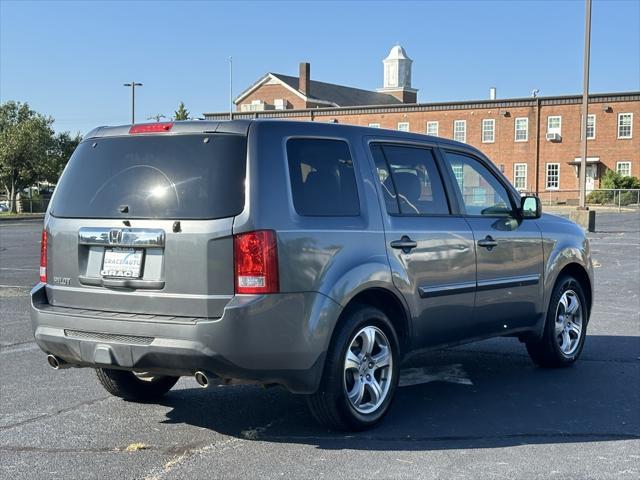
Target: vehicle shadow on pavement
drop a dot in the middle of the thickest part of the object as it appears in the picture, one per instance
(506, 401)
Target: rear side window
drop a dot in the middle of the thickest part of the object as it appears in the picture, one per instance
(154, 176)
(323, 182)
(410, 180)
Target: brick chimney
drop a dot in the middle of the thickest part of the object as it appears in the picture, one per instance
(304, 84)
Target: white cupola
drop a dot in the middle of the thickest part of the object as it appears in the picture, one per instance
(397, 69)
(397, 76)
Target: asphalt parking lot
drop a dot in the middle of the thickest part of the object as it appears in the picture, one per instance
(480, 411)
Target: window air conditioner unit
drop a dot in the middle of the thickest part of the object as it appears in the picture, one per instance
(554, 137)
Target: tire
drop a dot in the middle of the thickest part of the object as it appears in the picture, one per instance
(331, 405)
(132, 387)
(554, 349)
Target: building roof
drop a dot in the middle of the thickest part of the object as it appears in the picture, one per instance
(397, 52)
(326, 93)
(425, 107)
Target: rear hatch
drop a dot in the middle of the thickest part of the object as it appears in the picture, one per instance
(142, 224)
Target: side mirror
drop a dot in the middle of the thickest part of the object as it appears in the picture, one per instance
(531, 207)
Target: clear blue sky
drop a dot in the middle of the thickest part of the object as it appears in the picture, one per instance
(69, 59)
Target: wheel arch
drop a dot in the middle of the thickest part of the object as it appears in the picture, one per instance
(578, 272)
(391, 304)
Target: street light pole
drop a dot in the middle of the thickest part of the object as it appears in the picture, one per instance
(585, 107)
(133, 86)
(230, 88)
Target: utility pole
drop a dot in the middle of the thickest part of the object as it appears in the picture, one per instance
(133, 86)
(156, 117)
(585, 107)
(230, 88)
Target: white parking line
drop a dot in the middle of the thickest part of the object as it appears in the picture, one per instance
(19, 348)
(20, 269)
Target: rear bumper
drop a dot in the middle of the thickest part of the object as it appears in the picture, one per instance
(278, 338)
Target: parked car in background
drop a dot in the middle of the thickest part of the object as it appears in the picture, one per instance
(4, 206)
(310, 255)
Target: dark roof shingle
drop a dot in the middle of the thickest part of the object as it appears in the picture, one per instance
(340, 95)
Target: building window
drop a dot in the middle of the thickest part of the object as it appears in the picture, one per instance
(591, 127)
(374, 125)
(553, 176)
(623, 168)
(254, 106)
(625, 125)
(458, 172)
(403, 126)
(488, 130)
(554, 124)
(522, 129)
(432, 128)
(520, 176)
(280, 104)
(460, 130)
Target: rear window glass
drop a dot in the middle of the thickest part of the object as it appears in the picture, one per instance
(322, 179)
(154, 176)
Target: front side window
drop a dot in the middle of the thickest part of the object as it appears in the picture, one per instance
(460, 130)
(403, 126)
(480, 191)
(410, 180)
(520, 176)
(432, 128)
(322, 178)
(623, 168)
(522, 129)
(552, 176)
(488, 130)
(625, 125)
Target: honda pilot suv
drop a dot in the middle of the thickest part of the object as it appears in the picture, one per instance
(310, 255)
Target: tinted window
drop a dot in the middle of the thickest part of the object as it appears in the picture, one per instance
(154, 176)
(322, 179)
(384, 176)
(480, 191)
(414, 186)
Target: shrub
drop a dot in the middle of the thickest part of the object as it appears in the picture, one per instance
(614, 180)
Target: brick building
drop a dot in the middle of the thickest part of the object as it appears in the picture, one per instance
(535, 141)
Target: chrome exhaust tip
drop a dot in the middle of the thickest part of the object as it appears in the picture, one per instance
(56, 363)
(202, 379)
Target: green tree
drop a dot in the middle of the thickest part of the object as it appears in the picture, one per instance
(26, 140)
(182, 113)
(62, 147)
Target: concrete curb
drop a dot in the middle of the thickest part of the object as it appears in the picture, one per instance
(20, 218)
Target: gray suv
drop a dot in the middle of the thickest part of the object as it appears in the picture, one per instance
(310, 255)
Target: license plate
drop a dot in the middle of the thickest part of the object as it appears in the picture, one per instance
(122, 262)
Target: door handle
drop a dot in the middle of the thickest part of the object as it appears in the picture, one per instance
(488, 242)
(405, 244)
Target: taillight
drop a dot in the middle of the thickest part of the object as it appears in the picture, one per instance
(151, 127)
(43, 257)
(256, 262)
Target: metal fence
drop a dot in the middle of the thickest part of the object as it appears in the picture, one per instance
(26, 203)
(605, 197)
